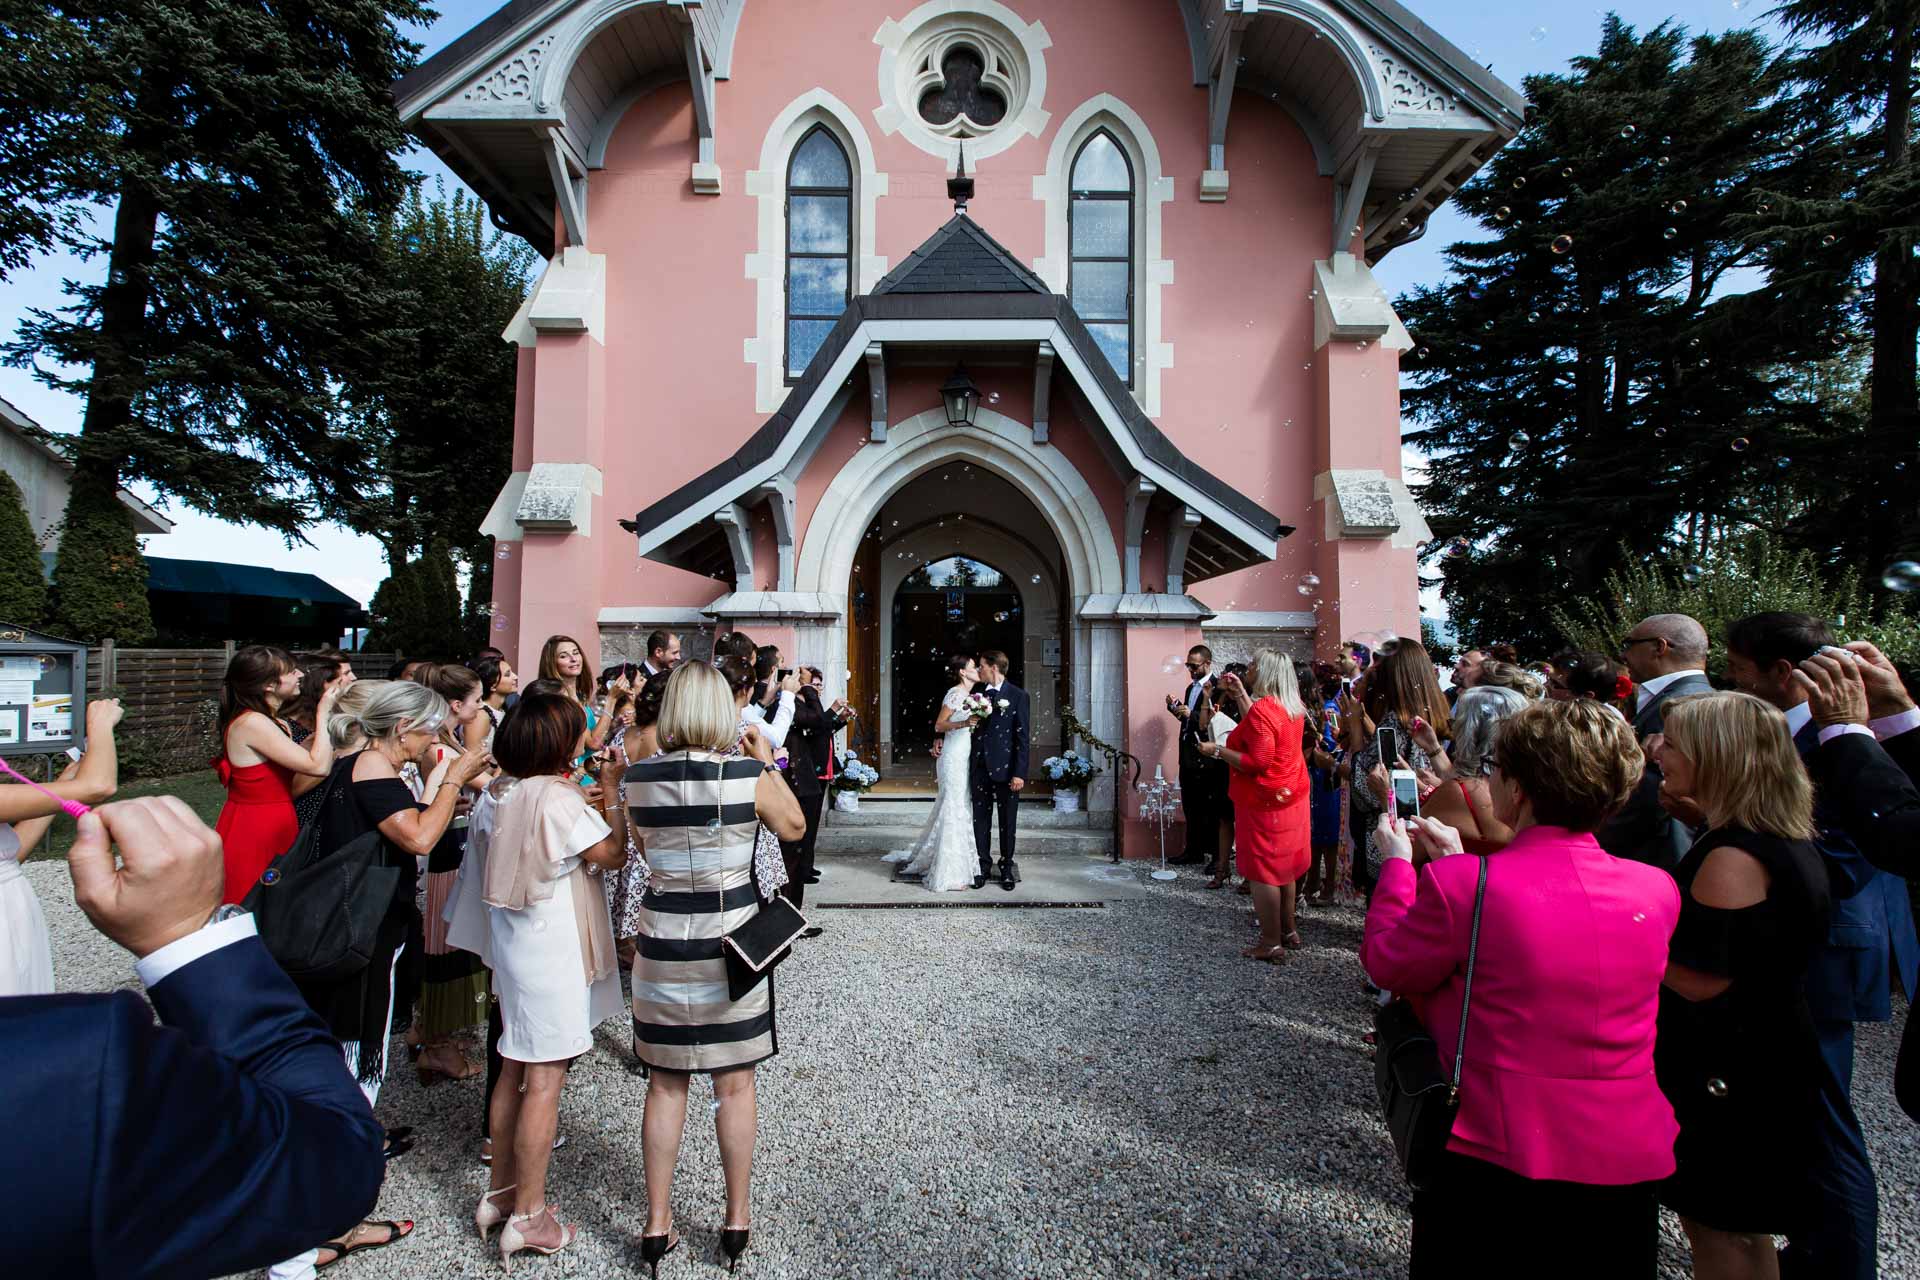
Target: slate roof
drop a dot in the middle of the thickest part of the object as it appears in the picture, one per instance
(961, 258)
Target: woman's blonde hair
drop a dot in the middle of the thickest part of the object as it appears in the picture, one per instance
(1578, 762)
(343, 726)
(1746, 772)
(1270, 675)
(698, 712)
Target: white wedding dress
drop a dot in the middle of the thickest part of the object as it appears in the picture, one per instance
(945, 855)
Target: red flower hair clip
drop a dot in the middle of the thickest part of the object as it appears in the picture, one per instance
(1622, 688)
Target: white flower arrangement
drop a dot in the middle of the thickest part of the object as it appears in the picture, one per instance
(855, 775)
(978, 705)
(1072, 771)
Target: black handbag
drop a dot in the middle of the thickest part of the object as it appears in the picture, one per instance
(752, 948)
(1417, 1097)
(319, 910)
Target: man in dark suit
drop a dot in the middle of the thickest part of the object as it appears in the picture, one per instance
(227, 1137)
(1870, 939)
(1866, 771)
(1667, 656)
(809, 749)
(1201, 778)
(999, 767)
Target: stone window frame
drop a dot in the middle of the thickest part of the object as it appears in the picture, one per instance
(1153, 191)
(913, 49)
(789, 253)
(766, 265)
(1075, 198)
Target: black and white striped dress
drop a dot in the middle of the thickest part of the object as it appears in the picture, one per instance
(694, 810)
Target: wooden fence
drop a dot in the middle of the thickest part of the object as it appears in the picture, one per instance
(163, 689)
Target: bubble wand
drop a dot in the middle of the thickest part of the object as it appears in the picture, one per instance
(72, 808)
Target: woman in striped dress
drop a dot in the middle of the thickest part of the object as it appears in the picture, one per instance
(694, 813)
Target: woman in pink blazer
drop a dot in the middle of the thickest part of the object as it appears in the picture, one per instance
(1562, 1132)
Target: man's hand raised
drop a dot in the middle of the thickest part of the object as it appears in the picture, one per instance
(169, 878)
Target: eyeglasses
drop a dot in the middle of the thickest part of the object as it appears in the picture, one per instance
(1631, 641)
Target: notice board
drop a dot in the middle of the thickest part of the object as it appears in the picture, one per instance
(43, 693)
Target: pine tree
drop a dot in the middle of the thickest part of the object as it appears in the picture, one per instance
(417, 610)
(23, 583)
(99, 575)
(237, 145)
(1869, 71)
(1589, 378)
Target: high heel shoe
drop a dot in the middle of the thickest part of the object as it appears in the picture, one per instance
(489, 1215)
(654, 1248)
(733, 1243)
(513, 1240)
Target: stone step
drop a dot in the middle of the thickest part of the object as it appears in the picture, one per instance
(868, 841)
(913, 812)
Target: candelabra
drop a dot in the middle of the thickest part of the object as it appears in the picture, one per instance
(1160, 805)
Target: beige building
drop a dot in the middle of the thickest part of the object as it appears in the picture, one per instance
(44, 475)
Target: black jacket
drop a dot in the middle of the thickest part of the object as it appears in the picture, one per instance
(810, 742)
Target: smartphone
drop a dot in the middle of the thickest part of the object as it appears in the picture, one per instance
(1388, 742)
(1406, 793)
(783, 673)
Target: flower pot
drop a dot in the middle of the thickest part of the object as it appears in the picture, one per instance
(1066, 801)
(846, 801)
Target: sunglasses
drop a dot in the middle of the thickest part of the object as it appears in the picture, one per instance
(1631, 641)
(1195, 666)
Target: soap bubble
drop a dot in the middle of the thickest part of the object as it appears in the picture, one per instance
(1533, 317)
(1562, 243)
(1692, 573)
(1627, 131)
(1538, 34)
(1520, 183)
(1670, 233)
(1459, 547)
(1659, 433)
(1502, 214)
(1677, 208)
(1304, 589)
(1829, 240)
(1796, 150)
(1309, 581)
(1664, 161)
(1036, 579)
(499, 622)
(1566, 171)
(1901, 575)
(504, 553)
(1519, 440)
(1762, 206)
(1740, 444)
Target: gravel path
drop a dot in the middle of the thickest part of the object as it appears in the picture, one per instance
(1019, 1093)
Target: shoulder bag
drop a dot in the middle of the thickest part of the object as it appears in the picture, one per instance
(765, 938)
(318, 910)
(1417, 1097)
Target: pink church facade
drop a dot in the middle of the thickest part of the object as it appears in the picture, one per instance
(1185, 414)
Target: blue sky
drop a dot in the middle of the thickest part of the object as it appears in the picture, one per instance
(1517, 39)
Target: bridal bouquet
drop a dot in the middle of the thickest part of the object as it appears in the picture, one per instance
(977, 705)
(1072, 770)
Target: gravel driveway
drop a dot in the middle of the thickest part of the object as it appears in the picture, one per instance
(1102, 1091)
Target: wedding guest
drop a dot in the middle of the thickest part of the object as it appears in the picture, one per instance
(663, 653)
(404, 668)
(1562, 1134)
(1595, 676)
(1737, 1054)
(205, 1145)
(1323, 747)
(1466, 669)
(1666, 654)
(453, 982)
(317, 671)
(1400, 686)
(1200, 780)
(1268, 784)
(1508, 675)
(344, 727)
(1464, 801)
(259, 760)
(1871, 942)
(1219, 727)
(735, 644)
(810, 748)
(679, 1025)
(778, 692)
(552, 953)
(562, 659)
(625, 887)
(499, 682)
(397, 723)
(26, 814)
(1503, 652)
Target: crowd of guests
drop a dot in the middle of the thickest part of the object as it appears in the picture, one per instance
(1677, 901)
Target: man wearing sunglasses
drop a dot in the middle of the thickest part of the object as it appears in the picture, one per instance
(1667, 657)
(1197, 785)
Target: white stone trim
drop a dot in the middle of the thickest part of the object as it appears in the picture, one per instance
(766, 265)
(838, 527)
(571, 297)
(1153, 190)
(1350, 306)
(1257, 620)
(1016, 44)
(671, 617)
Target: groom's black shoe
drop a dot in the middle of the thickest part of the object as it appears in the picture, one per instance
(980, 880)
(1009, 875)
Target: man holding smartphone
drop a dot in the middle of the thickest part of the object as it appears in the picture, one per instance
(1200, 778)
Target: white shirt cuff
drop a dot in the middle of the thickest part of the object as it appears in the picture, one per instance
(181, 952)
(1894, 725)
(1833, 731)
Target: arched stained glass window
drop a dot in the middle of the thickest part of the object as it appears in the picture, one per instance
(1100, 248)
(819, 244)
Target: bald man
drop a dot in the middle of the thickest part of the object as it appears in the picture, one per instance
(1667, 656)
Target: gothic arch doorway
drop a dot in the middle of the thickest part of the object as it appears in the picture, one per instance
(957, 604)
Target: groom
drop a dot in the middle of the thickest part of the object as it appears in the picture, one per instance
(999, 767)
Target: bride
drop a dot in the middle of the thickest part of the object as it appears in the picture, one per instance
(945, 857)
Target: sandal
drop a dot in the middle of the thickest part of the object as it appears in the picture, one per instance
(1269, 955)
(394, 1147)
(431, 1074)
(351, 1243)
(1218, 882)
(1292, 941)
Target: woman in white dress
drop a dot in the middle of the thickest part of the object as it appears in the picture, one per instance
(551, 946)
(945, 858)
(26, 955)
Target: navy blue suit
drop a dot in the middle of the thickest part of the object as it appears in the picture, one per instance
(228, 1138)
(1000, 748)
(1869, 933)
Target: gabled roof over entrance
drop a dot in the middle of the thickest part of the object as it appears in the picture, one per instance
(960, 288)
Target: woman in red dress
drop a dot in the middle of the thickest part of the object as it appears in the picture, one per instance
(1267, 781)
(259, 760)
